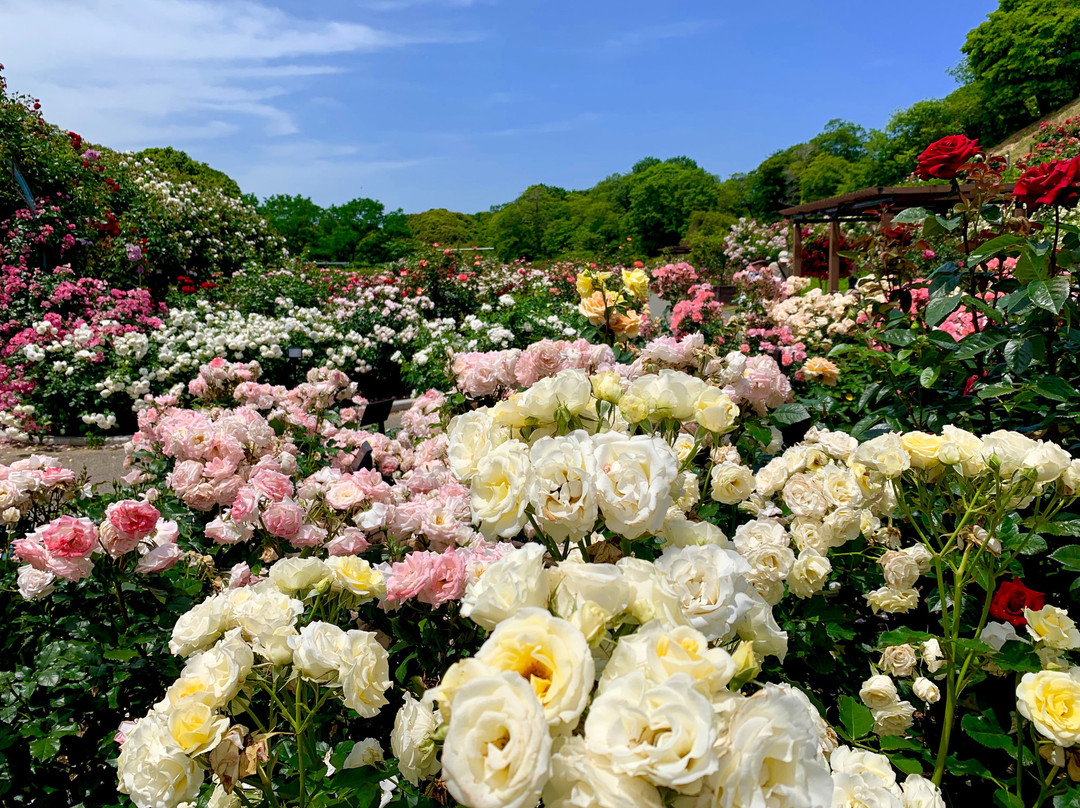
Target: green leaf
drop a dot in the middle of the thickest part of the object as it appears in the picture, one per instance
(788, 414)
(1018, 353)
(867, 394)
(1006, 799)
(1070, 799)
(120, 654)
(46, 747)
(1068, 557)
(1017, 656)
(910, 216)
(994, 246)
(1029, 267)
(996, 390)
(759, 432)
(1054, 388)
(986, 730)
(929, 376)
(1062, 527)
(1049, 294)
(898, 336)
(974, 344)
(903, 635)
(938, 310)
(855, 718)
(949, 224)
(892, 743)
(906, 764)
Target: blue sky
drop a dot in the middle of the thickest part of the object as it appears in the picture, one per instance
(464, 103)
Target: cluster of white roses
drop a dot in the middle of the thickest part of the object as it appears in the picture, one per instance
(893, 715)
(561, 454)
(164, 756)
(666, 722)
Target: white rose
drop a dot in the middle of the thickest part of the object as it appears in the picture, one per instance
(810, 534)
(898, 660)
(580, 778)
(1070, 478)
(809, 573)
(514, 582)
(711, 584)
(926, 690)
(367, 752)
(896, 719)
(653, 595)
(1052, 626)
(760, 627)
(771, 477)
(470, 438)
(884, 454)
(921, 793)
(200, 626)
(963, 449)
(804, 497)
(34, 584)
(569, 390)
(660, 652)
(497, 752)
(770, 755)
(318, 651)
(1049, 461)
(932, 656)
(893, 601)
(679, 531)
(663, 733)
(878, 692)
(839, 486)
(214, 676)
(997, 634)
(268, 619)
(588, 595)
(299, 575)
(411, 739)
(562, 490)
(839, 445)
(364, 674)
(499, 492)
(153, 770)
(1010, 448)
(731, 483)
(634, 480)
(863, 779)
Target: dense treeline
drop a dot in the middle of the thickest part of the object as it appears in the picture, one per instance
(1019, 65)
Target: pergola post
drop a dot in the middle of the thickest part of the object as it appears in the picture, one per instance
(834, 256)
(796, 249)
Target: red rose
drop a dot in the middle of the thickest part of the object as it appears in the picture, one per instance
(1050, 184)
(1012, 598)
(945, 158)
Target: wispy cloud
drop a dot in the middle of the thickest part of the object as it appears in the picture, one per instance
(526, 129)
(659, 33)
(402, 5)
(125, 70)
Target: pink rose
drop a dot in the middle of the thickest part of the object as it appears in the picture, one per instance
(115, 544)
(132, 518)
(32, 551)
(408, 577)
(274, 484)
(185, 476)
(57, 475)
(283, 519)
(159, 559)
(225, 531)
(309, 536)
(351, 541)
(245, 507)
(69, 537)
(446, 581)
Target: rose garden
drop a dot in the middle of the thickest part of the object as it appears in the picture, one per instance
(651, 530)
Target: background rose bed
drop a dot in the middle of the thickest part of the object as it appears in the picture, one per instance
(805, 549)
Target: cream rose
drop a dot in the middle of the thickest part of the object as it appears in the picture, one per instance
(514, 582)
(153, 770)
(663, 733)
(411, 739)
(561, 489)
(923, 448)
(497, 752)
(200, 626)
(715, 411)
(470, 439)
(299, 575)
(893, 601)
(804, 497)
(499, 492)
(896, 719)
(364, 675)
(318, 651)
(1053, 627)
(926, 690)
(580, 778)
(551, 655)
(878, 692)
(195, 726)
(711, 584)
(634, 482)
(356, 576)
(568, 391)
(962, 449)
(885, 454)
(809, 573)
(731, 483)
(898, 660)
(588, 595)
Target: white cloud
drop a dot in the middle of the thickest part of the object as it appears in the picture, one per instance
(131, 73)
(659, 33)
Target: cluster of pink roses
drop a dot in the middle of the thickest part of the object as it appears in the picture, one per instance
(700, 309)
(64, 547)
(24, 483)
(436, 578)
(217, 380)
(482, 374)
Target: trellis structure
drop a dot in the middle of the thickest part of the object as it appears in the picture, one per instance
(879, 203)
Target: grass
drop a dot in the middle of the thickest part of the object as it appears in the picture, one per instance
(1019, 143)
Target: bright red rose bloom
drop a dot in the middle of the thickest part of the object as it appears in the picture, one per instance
(943, 159)
(1012, 598)
(1055, 183)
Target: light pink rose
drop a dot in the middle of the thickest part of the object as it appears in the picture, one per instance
(283, 519)
(446, 580)
(32, 551)
(185, 476)
(225, 531)
(309, 536)
(351, 541)
(408, 577)
(113, 543)
(245, 507)
(56, 475)
(275, 485)
(132, 518)
(159, 559)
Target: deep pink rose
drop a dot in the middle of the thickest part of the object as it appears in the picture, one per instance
(69, 537)
(132, 518)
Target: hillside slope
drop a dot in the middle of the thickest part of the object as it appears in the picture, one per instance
(1019, 143)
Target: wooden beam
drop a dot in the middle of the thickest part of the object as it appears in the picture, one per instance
(834, 256)
(796, 250)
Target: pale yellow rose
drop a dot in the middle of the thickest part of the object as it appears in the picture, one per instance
(923, 448)
(1052, 626)
(1051, 701)
(636, 283)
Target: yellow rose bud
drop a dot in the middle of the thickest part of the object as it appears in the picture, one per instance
(747, 665)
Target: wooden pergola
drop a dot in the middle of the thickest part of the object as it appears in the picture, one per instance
(879, 203)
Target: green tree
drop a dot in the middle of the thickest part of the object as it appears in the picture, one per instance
(1026, 57)
(296, 218)
(663, 196)
(442, 226)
